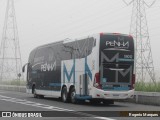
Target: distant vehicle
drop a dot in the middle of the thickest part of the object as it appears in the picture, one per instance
(99, 68)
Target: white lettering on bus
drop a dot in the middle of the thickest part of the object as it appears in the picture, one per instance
(48, 67)
(117, 44)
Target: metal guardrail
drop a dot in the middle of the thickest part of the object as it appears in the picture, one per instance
(149, 98)
(13, 88)
(147, 93)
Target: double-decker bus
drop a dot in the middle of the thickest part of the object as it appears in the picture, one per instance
(99, 68)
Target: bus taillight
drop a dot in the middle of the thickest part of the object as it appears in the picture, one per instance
(97, 81)
(101, 34)
(133, 81)
(130, 36)
(116, 33)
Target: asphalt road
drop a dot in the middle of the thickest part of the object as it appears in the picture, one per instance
(23, 103)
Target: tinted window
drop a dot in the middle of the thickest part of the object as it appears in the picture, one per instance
(78, 48)
(39, 58)
(31, 56)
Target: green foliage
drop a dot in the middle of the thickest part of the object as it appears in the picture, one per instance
(139, 86)
(147, 87)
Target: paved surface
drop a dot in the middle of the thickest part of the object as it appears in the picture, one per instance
(21, 102)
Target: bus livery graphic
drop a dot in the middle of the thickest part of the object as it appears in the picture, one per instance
(98, 67)
(69, 74)
(87, 69)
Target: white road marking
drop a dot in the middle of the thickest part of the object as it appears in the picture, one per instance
(35, 104)
(30, 103)
(104, 118)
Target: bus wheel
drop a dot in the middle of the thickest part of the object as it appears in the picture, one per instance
(73, 95)
(40, 96)
(34, 93)
(64, 95)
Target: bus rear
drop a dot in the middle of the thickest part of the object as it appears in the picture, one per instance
(115, 78)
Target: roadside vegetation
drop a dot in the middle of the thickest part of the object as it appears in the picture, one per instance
(139, 86)
(14, 82)
(147, 86)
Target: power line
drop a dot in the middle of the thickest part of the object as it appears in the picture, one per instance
(82, 7)
(91, 21)
(88, 18)
(102, 25)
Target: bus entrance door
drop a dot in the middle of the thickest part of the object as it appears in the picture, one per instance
(84, 80)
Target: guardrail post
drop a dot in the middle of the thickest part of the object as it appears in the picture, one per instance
(136, 98)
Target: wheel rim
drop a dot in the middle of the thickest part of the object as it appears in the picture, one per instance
(73, 94)
(64, 96)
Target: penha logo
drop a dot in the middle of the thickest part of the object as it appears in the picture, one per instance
(117, 44)
(48, 67)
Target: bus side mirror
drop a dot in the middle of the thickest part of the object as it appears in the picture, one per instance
(23, 68)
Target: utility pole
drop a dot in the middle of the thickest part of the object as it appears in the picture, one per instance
(10, 56)
(140, 33)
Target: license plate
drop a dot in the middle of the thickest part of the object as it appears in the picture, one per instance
(115, 95)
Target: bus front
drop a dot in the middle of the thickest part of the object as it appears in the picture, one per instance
(115, 78)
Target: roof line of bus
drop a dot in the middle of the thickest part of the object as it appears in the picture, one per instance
(70, 40)
(115, 34)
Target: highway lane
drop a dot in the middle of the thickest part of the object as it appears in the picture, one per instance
(16, 101)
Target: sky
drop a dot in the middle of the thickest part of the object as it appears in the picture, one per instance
(44, 21)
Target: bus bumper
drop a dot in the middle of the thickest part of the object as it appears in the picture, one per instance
(101, 94)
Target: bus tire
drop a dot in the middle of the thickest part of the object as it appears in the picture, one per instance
(73, 96)
(40, 96)
(64, 95)
(34, 93)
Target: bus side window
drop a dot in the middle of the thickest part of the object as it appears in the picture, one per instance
(84, 47)
(68, 51)
(78, 49)
(94, 43)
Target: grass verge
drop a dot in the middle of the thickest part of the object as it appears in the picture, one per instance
(14, 82)
(147, 87)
